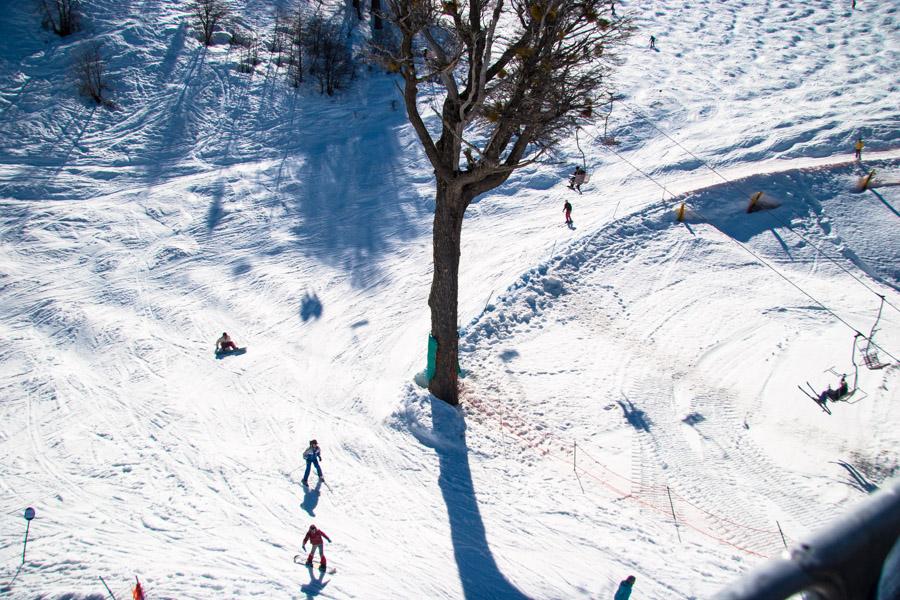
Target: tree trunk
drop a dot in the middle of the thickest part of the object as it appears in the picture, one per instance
(450, 207)
(376, 14)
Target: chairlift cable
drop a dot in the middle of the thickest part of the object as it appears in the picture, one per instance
(746, 192)
(870, 341)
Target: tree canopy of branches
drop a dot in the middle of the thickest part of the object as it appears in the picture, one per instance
(331, 62)
(61, 16)
(209, 13)
(517, 75)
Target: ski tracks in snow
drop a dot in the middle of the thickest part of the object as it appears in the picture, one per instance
(689, 435)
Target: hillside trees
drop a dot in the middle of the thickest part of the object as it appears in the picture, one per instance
(516, 75)
(331, 62)
(61, 16)
(208, 13)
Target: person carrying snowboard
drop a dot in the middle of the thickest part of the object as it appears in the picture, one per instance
(224, 343)
(577, 179)
(312, 455)
(314, 536)
(567, 208)
(857, 147)
(624, 591)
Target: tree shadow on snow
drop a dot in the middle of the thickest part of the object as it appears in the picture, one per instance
(478, 571)
(351, 197)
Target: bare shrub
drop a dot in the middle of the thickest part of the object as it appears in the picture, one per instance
(280, 39)
(209, 13)
(90, 73)
(61, 16)
(249, 51)
(296, 36)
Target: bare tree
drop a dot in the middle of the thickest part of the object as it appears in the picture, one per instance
(376, 14)
(280, 40)
(248, 50)
(61, 16)
(517, 75)
(297, 34)
(209, 13)
(357, 5)
(90, 73)
(331, 62)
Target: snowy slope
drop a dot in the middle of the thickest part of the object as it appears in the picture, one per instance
(213, 200)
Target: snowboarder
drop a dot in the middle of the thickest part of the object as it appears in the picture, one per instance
(567, 208)
(624, 591)
(312, 455)
(224, 343)
(858, 146)
(577, 178)
(314, 536)
(653, 42)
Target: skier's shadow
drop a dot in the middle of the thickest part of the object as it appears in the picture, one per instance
(478, 571)
(316, 583)
(311, 498)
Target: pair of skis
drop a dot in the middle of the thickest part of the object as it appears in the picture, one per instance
(814, 396)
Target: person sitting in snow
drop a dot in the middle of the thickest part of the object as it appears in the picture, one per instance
(314, 536)
(312, 455)
(624, 591)
(224, 344)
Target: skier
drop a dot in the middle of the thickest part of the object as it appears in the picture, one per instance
(567, 208)
(577, 179)
(653, 42)
(224, 343)
(312, 455)
(314, 536)
(858, 146)
(624, 591)
(843, 388)
(837, 394)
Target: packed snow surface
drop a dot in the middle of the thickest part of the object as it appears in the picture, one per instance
(615, 373)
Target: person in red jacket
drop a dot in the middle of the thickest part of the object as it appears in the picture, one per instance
(314, 536)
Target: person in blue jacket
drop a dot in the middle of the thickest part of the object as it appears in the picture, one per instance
(312, 455)
(624, 591)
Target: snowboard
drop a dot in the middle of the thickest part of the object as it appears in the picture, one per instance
(220, 354)
(300, 560)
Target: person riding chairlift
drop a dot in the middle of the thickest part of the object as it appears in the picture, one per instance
(830, 394)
